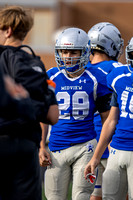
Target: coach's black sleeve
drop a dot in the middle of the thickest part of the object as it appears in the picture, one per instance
(34, 79)
(13, 108)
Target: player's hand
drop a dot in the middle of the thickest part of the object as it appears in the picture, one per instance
(44, 158)
(91, 167)
(15, 90)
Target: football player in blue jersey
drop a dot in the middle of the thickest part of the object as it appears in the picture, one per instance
(117, 177)
(106, 48)
(79, 92)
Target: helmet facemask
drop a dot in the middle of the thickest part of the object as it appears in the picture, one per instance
(129, 53)
(72, 39)
(75, 63)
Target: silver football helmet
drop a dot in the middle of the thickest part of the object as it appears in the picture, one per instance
(106, 37)
(72, 39)
(129, 49)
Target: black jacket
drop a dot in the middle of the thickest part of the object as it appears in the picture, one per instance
(28, 70)
(19, 108)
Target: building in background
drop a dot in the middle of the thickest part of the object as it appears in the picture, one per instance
(51, 15)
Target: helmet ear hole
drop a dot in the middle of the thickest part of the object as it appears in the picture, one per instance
(130, 55)
(114, 48)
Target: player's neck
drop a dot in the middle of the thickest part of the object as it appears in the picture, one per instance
(74, 75)
(99, 57)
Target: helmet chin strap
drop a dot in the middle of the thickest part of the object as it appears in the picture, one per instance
(74, 68)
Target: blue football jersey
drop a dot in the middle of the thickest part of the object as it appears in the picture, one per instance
(106, 67)
(121, 81)
(76, 99)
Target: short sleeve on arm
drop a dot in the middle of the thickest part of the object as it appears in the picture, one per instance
(103, 103)
(114, 100)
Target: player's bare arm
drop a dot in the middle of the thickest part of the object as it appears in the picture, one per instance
(106, 135)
